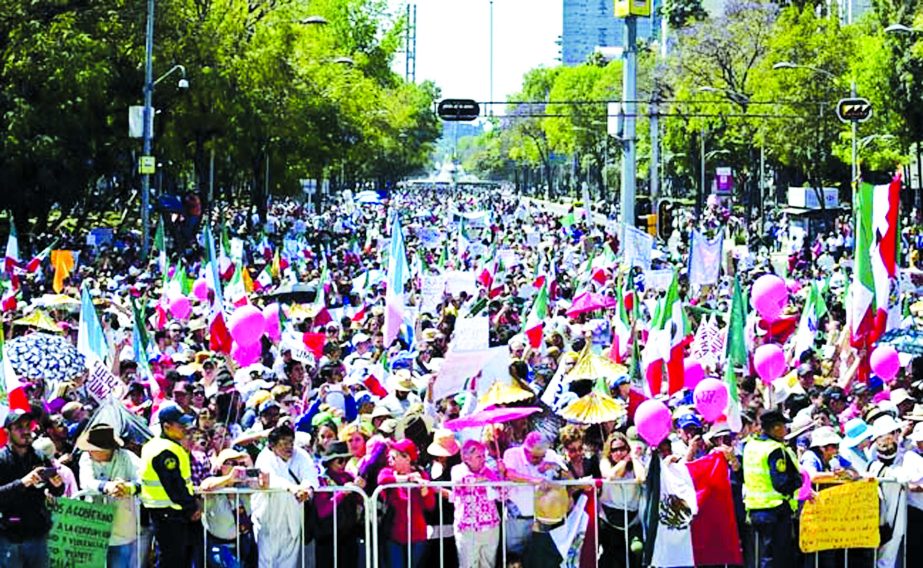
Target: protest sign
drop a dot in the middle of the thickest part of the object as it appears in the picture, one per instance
(704, 259)
(431, 288)
(533, 239)
(637, 247)
(457, 281)
(100, 381)
(779, 262)
(100, 236)
(840, 517)
(508, 257)
(429, 236)
(79, 534)
(471, 334)
(458, 367)
(658, 279)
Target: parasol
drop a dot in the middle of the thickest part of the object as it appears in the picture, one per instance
(57, 302)
(44, 356)
(589, 302)
(294, 293)
(594, 408)
(39, 320)
(504, 393)
(591, 367)
(496, 415)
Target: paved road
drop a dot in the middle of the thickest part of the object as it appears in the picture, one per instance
(562, 209)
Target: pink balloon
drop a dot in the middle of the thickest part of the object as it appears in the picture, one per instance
(769, 361)
(653, 421)
(692, 373)
(246, 355)
(247, 325)
(769, 296)
(180, 307)
(885, 362)
(271, 317)
(711, 398)
(200, 289)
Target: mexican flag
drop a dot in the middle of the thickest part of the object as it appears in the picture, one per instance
(735, 354)
(814, 309)
(535, 322)
(264, 279)
(161, 247)
(669, 334)
(219, 337)
(875, 265)
(12, 248)
(12, 394)
(397, 275)
(621, 330)
(37, 261)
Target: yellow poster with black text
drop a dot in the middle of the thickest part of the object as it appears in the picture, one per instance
(845, 516)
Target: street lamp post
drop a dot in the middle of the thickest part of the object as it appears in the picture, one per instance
(146, 129)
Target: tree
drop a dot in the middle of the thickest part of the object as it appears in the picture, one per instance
(680, 13)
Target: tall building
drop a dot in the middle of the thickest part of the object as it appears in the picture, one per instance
(589, 24)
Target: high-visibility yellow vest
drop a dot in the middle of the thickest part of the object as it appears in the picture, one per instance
(758, 490)
(153, 495)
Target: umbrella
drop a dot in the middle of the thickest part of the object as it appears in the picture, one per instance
(496, 415)
(366, 197)
(594, 408)
(592, 367)
(44, 356)
(503, 393)
(39, 320)
(589, 302)
(57, 301)
(294, 293)
(908, 340)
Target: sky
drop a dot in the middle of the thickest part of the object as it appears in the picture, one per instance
(453, 44)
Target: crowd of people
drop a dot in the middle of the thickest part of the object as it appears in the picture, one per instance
(215, 455)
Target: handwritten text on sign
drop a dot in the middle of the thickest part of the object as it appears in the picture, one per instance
(845, 516)
(80, 533)
(100, 381)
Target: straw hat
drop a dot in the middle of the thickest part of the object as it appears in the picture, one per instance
(225, 455)
(444, 444)
(824, 436)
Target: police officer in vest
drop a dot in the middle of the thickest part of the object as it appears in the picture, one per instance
(771, 479)
(166, 488)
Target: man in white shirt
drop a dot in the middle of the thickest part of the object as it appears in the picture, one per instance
(278, 516)
(532, 462)
(402, 396)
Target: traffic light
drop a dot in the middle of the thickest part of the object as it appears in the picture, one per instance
(664, 218)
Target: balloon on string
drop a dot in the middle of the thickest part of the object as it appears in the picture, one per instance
(653, 421)
(180, 306)
(769, 296)
(247, 325)
(200, 289)
(885, 362)
(711, 398)
(692, 373)
(769, 361)
(245, 355)
(271, 317)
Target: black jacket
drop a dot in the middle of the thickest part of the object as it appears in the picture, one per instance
(24, 514)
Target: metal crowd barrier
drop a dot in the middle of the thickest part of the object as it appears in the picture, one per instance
(238, 492)
(501, 487)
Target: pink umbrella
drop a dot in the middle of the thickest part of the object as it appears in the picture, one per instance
(495, 415)
(589, 302)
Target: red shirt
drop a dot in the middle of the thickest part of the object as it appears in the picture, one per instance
(397, 498)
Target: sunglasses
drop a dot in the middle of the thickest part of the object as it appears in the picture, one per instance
(618, 449)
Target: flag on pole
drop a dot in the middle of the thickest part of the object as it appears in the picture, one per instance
(219, 337)
(622, 330)
(12, 394)
(160, 245)
(264, 279)
(814, 309)
(63, 263)
(668, 337)
(37, 260)
(12, 248)
(535, 322)
(91, 341)
(397, 274)
(735, 351)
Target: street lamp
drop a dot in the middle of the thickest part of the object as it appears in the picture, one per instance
(901, 29)
(314, 20)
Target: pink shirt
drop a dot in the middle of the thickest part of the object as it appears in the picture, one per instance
(475, 507)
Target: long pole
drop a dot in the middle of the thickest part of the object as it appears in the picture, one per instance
(855, 146)
(655, 148)
(146, 133)
(629, 96)
(701, 193)
(491, 99)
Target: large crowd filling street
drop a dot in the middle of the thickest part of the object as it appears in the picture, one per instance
(465, 377)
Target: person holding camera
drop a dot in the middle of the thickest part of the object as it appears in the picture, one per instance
(227, 516)
(24, 478)
(166, 488)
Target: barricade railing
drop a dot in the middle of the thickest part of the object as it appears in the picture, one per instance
(248, 492)
(503, 487)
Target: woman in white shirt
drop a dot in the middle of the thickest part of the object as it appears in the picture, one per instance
(110, 474)
(620, 497)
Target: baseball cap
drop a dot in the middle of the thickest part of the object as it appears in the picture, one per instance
(15, 416)
(688, 420)
(175, 415)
